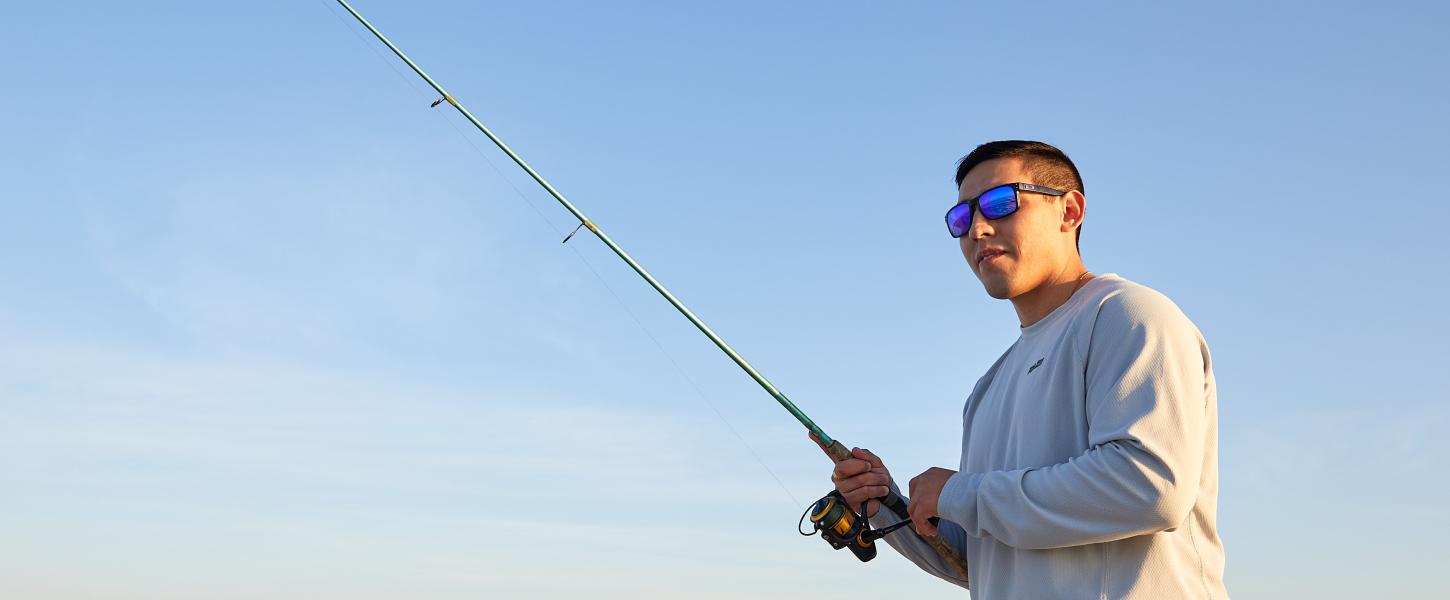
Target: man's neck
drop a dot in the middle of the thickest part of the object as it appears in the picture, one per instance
(1040, 302)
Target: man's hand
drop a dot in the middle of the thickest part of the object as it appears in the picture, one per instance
(861, 478)
(925, 490)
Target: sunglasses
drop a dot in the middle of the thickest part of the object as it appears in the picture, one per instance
(995, 203)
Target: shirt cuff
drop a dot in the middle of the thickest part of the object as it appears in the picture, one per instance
(958, 500)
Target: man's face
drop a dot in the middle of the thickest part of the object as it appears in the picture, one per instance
(1022, 250)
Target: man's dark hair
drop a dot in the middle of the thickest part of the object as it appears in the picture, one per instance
(1044, 162)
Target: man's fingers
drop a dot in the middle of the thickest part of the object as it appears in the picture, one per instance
(850, 467)
(871, 492)
(866, 488)
(867, 479)
(867, 456)
(920, 520)
(861, 478)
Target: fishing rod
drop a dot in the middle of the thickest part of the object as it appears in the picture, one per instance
(835, 520)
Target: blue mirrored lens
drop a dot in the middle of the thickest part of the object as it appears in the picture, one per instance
(999, 202)
(959, 218)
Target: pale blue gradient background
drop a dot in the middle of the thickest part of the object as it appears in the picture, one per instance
(271, 328)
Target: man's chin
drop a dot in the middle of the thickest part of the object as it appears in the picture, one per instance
(997, 288)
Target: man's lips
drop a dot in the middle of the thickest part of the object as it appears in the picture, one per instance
(987, 254)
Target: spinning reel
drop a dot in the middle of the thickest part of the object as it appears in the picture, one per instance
(842, 527)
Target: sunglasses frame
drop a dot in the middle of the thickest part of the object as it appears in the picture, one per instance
(1016, 203)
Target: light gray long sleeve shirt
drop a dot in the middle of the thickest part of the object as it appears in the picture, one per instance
(1089, 461)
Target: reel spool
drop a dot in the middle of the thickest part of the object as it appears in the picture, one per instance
(841, 527)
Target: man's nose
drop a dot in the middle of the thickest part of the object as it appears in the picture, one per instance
(980, 227)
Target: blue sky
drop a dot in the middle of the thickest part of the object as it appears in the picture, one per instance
(270, 327)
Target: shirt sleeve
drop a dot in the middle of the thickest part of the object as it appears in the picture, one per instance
(915, 549)
(1147, 421)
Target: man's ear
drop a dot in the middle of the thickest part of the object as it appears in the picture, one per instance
(1074, 208)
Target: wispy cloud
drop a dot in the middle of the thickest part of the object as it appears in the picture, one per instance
(316, 477)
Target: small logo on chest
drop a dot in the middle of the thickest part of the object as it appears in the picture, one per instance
(1035, 365)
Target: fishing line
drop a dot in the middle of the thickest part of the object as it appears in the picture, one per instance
(832, 447)
(531, 204)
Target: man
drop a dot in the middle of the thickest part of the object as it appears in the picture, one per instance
(1089, 464)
